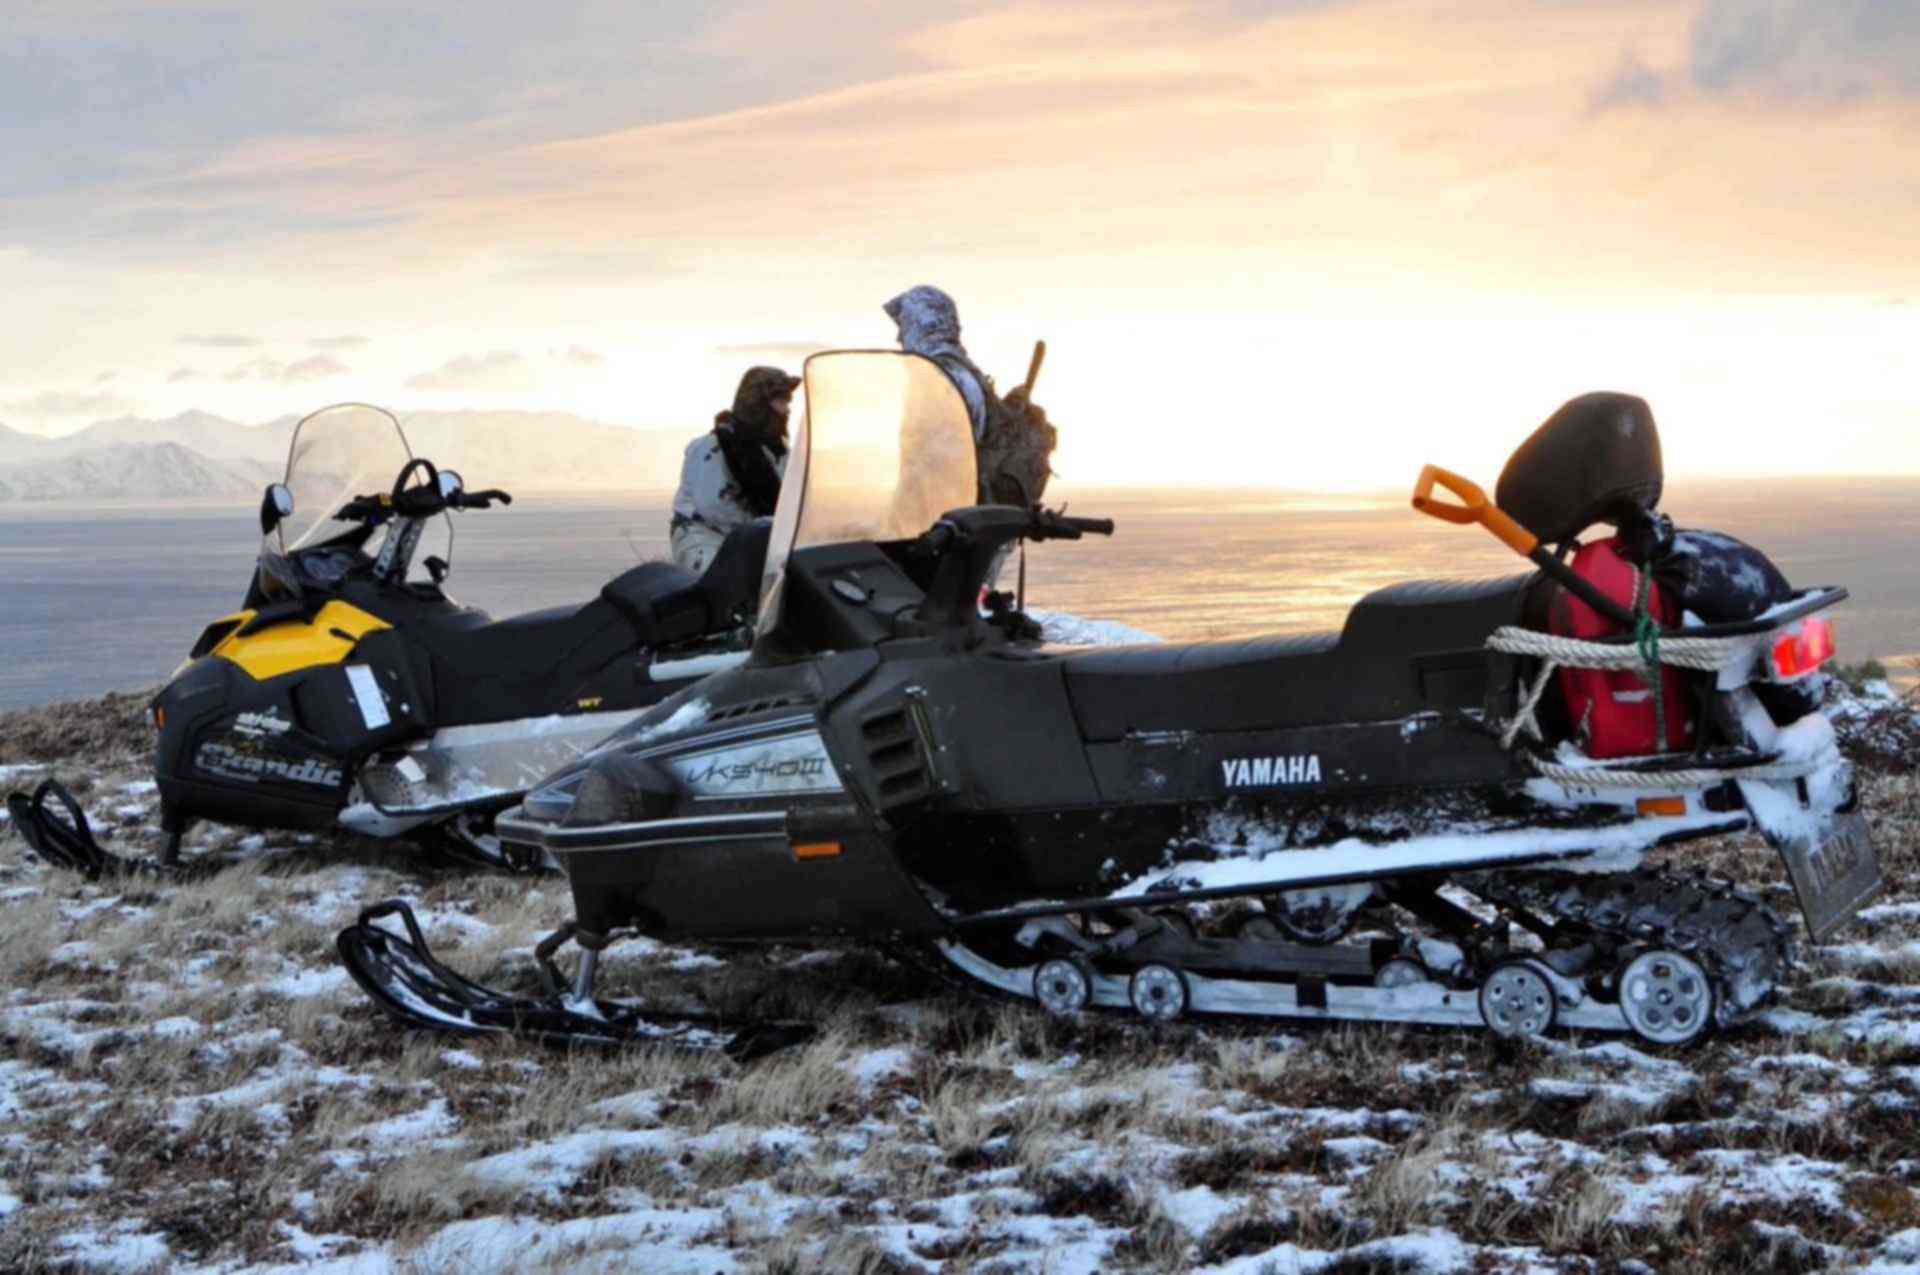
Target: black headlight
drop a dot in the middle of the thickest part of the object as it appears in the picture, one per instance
(551, 803)
(620, 788)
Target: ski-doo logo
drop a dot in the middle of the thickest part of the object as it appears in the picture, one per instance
(791, 764)
(1271, 772)
(232, 763)
(267, 723)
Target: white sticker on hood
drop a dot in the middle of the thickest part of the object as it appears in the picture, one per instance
(366, 693)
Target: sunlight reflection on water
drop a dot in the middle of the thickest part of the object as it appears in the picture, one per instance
(110, 599)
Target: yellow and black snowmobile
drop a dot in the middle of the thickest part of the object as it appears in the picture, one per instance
(343, 693)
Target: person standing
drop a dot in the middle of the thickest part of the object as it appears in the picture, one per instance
(1012, 437)
(731, 475)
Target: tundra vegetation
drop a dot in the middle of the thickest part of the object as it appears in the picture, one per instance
(188, 1081)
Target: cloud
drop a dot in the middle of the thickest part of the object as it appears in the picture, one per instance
(317, 368)
(104, 377)
(579, 356)
(1807, 49)
(338, 342)
(52, 403)
(772, 351)
(503, 371)
(220, 341)
(1633, 83)
(180, 375)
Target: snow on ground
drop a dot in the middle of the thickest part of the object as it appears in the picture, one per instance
(188, 1083)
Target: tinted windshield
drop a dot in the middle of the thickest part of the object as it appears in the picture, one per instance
(338, 453)
(884, 447)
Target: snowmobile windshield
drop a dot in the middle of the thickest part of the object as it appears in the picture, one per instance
(884, 447)
(337, 453)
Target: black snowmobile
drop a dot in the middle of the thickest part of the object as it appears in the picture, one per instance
(344, 693)
(1468, 778)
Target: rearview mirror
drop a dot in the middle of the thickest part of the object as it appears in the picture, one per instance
(450, 484)
(275, 506)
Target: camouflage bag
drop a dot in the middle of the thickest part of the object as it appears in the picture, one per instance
(1017, 451)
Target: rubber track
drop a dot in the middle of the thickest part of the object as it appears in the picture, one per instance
(1744, 945)
(1747, 949)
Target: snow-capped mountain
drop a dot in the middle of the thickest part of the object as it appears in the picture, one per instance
(130, 471)
(198, 456)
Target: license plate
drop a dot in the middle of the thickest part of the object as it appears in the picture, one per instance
(1835, 875)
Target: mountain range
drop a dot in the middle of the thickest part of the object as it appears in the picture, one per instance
(199, 456)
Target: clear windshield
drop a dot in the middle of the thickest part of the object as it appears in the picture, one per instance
(339, 452)
(884, 448)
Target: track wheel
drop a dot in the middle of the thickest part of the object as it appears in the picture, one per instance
(1158, 992)
(1666, 998)
(1062, 987)
(1517, 1000)
(1401, 971)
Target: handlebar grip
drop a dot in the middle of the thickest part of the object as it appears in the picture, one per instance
(1474, 508)
(1091, 526)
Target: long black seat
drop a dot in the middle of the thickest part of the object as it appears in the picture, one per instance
(531, 663)
(1406, 649)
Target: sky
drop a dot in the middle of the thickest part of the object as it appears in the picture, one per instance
(1311, 243)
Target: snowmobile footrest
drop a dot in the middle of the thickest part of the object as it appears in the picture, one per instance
(404, 978)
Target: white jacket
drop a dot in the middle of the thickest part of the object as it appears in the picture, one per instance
(708, 494)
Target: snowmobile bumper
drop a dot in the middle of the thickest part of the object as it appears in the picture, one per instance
(759, 874)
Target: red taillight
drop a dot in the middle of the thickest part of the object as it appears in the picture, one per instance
(1802, 649)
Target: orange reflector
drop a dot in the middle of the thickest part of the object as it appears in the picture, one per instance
(160, 718)
(1802, 649)
(1666, 807)
(817, 850)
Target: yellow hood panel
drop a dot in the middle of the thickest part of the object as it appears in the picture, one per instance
(287, 648)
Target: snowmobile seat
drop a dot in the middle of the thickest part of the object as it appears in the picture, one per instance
(530, 664)
(524, 666)
(1406, 649)
(668, 604)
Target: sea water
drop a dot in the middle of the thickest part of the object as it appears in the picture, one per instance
(112, 597)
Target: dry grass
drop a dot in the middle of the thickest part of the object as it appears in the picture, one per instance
(262, 1105)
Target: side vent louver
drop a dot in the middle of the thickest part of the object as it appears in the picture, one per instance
(754, 707)
(895, 743)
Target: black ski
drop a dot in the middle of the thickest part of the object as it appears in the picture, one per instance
(405, 978)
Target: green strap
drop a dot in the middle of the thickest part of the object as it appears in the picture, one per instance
(1646, 636)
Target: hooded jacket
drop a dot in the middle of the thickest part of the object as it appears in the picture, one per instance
(929, 325)
(732, 474)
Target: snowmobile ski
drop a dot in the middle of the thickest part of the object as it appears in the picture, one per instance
(405, 979)
(55, 828)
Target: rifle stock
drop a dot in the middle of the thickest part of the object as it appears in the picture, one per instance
(1033, 368)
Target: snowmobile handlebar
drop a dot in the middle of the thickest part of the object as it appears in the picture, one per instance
(1057, 526)
(1474, 507)
(417, 502)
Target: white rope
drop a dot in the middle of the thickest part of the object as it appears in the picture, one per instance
(1593, 777)
(1524, 718)
(1707, 655)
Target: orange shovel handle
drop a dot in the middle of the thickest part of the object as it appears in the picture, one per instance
(1473, 507)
